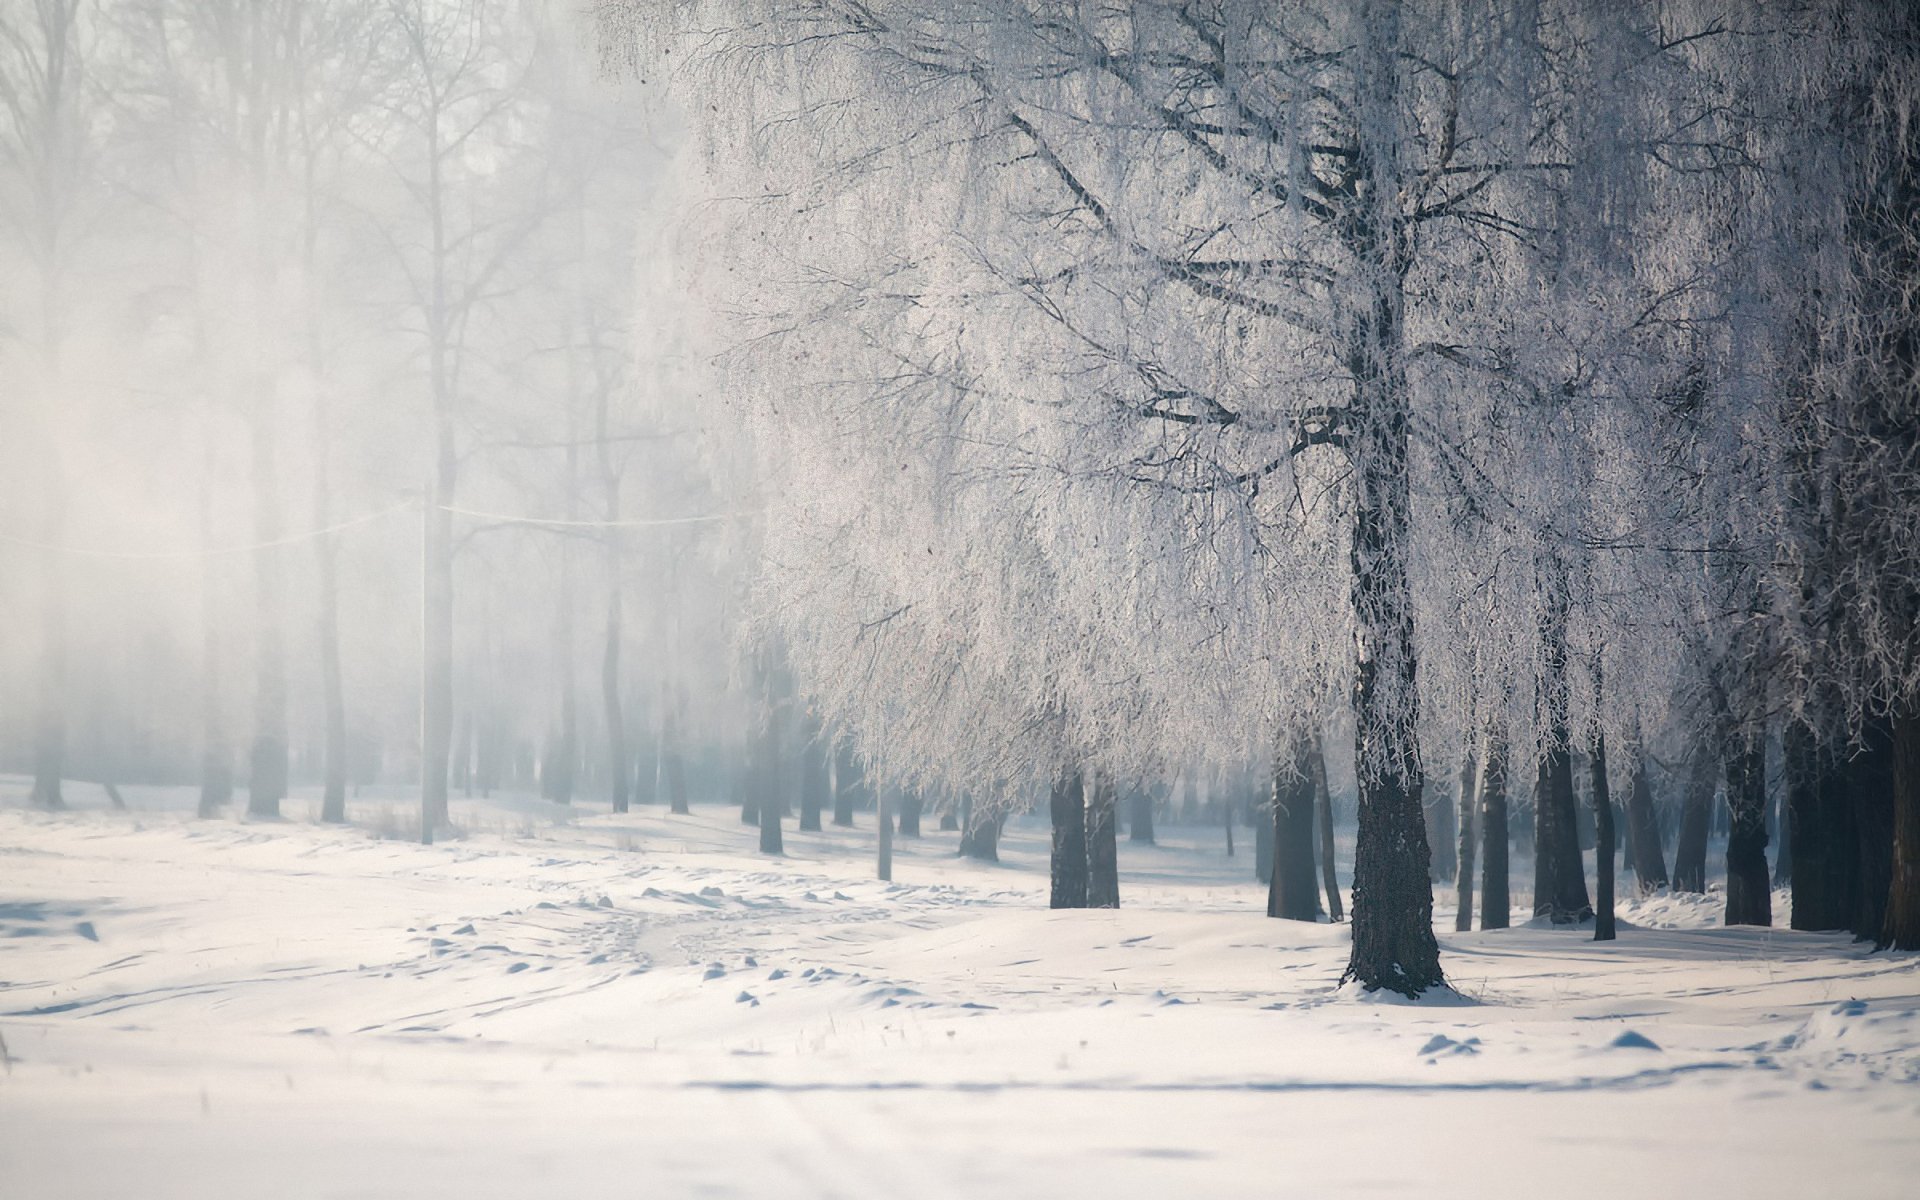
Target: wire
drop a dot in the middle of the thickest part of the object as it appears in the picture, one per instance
(289, 540)
(364, 519)
(555, 522)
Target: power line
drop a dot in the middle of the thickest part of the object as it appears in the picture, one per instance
(209, 552)
(365, 519)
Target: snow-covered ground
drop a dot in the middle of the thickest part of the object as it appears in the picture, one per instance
(641, 1006)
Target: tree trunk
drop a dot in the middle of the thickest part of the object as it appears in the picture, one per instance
(1467, 825)
(436, 706)
(1294, 893)
(1749, 890)
(1495, 889)
(912, 803)
(1901, 928)
(1643, 827)
(1069, 864)
(1603, 842)
(267, 762)
(673, 765)
(814, 783)
(980, 834)
(1323, 800)
(883, 818)
(1103, 850)
(333, 793)
(1442, 833)
(618, 766)
(769, 775)
(216, 754)
(1141, 814)
(1260, 818)
(1869, 785)
(846, 783)
(1690, 848)
(1559, 872)
(1226, 818)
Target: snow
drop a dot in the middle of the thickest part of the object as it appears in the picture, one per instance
(593, 1005)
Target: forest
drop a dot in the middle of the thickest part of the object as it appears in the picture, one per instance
(567, 485)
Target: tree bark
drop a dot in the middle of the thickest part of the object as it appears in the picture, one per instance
(1603, 842)
(1141, 816)
(1467, 824)
(1103, 849)
(1260, 818)
(846, 783)
(980, 834)
(1294, 893)
(912, 804)
(1323, 801)
(1870, 786)
(1559, 872)
(1643, 827)
(1819, 820)
(1901, 927)
(1069, 861)
(1393, 942)
(1749, 889)
(814, 783)
(1690, 848)
(1495, 887)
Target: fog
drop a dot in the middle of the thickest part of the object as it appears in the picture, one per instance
(264, 264)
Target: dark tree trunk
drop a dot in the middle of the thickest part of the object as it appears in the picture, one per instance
(1260, 819)
(1393, 942)
(1690, 848)
(1603, 843)
(1468, 826)
(1141, 814)
(814, 783)
(1783, 835)
(1495, 888)
(980, 835)
(1103, 849)
(1226, 818)
(1901, 928)
(1559, 872)
(1294, 893)
(1749, 890)
(1442, 832)
(912, 803)
(1870, 786)
(1643, 827)
(1323, 802)
(1069, 865)
(1819, 820)
(846, 784)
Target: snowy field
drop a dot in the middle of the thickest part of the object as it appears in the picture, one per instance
(596, 1006)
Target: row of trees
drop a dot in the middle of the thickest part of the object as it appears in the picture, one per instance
(275, 276)
(1145, 385)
